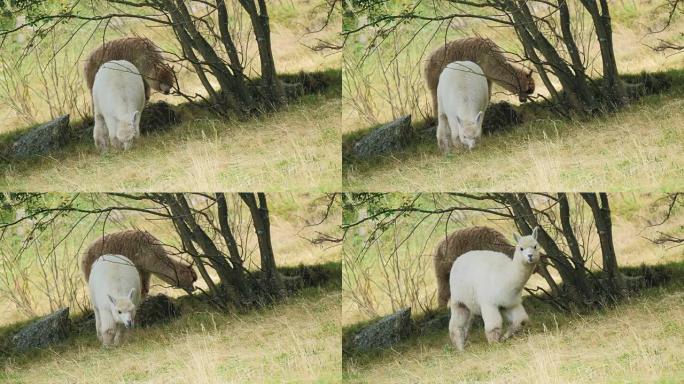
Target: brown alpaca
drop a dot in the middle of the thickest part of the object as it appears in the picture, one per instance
(460, 242)
(148, 255)
(486, 54)
(142, 53)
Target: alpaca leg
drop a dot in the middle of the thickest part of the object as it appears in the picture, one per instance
(516, 317)
(443, 132)
(108, 336)
(460, 317)
(107, 328)
(144, 283)
(493, 323)
(443, 291)
(98, 326)
(100, 132)
(119, 334)
(433, 93)
(469, 322)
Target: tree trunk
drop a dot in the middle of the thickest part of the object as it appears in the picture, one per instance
(262, 32)
(613, 88)
(602, 219)
(262, 227)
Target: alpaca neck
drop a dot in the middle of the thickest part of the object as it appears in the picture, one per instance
(520, 272)
(507, 79)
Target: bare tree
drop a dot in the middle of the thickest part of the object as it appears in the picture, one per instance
(206, 226)
(208, 39)
(565, 234)
(551, 34)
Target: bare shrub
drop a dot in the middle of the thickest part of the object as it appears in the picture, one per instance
(43, 82)
(388, 79)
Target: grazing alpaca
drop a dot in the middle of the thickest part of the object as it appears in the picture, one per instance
(486, 54)
(140, 51)
(115, 295)
(462, 98)
(118, 99)
(146, 253)
(487, 283)
(460, 242)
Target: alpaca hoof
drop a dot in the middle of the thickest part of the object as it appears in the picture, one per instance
(494, 336)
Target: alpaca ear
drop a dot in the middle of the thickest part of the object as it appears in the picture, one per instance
(529, 74)
(534, 232)
(111, 299)
(130, 294)
(478, 118)
(458, 119)
(516, 237)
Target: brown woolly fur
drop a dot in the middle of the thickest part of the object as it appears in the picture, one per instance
(486, 54)
(142, 52)
(460, 242)
(148, 255)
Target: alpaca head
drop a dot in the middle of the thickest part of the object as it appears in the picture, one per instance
(469, 130)
(164, 80)
(186, 278)
(526, 247)
(525, 84)
(183, 277)
(123, 309)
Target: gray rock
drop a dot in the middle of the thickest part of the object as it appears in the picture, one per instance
(385, 139)
(43, 332)
(43, 139)
(383, 333)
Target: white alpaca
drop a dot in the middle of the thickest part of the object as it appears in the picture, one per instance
(118, 99)
(487, 283)
(114, 285)
(462, 98)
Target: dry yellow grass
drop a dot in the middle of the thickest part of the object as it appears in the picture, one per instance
(297, 341)
(634, 150)
(296, 149)
(639, 342)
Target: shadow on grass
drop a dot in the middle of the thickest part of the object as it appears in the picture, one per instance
(431, 329)
(312, 281)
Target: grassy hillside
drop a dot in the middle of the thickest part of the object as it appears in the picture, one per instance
(294, 149)
(296, 341)
(630, 150)
(637, 342)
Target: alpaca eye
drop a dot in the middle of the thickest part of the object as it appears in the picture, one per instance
(119, 312)
(521, 248)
